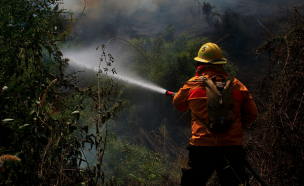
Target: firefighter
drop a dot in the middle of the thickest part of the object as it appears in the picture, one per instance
(210, 151)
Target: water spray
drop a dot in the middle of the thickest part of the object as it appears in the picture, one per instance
(83, 58)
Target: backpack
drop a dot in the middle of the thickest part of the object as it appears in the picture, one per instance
(220, 104)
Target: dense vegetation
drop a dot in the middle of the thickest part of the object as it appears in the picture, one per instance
(41, 106)
(276, 140)
(63, 131)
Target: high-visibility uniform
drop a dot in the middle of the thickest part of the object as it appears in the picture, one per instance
(193, 96)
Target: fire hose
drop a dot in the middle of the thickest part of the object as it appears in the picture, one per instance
(256, 175)
(169, 93)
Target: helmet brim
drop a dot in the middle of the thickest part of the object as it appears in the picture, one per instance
(218, 61)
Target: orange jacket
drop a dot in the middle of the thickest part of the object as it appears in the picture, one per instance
(193, 96)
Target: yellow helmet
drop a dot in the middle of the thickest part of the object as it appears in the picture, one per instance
(210, 53)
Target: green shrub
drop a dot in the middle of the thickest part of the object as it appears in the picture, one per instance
(133, 164)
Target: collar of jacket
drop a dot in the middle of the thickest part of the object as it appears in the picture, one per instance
(208, 68)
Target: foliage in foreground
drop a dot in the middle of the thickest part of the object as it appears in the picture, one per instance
(41, 106)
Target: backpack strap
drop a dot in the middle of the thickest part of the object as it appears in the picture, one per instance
(217, 91)
(203, 80)
(213, 80)
(201, 121)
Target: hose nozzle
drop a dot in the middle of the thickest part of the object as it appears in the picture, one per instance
(169, 93)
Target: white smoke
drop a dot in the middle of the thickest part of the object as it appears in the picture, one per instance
(124, 17)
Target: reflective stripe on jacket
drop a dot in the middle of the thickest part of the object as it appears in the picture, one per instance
(193, 96)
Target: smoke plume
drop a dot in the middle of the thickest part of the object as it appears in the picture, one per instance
(105, 19)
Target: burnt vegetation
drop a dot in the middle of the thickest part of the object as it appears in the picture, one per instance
(276, 142)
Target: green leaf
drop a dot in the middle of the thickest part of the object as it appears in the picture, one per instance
(32, 112)
(108, 115)
(152, 176)
(138, 179)
(133, 176)
(82, 183)
(77, 113)
(5, 88)
(23, 126)
(7, 120)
